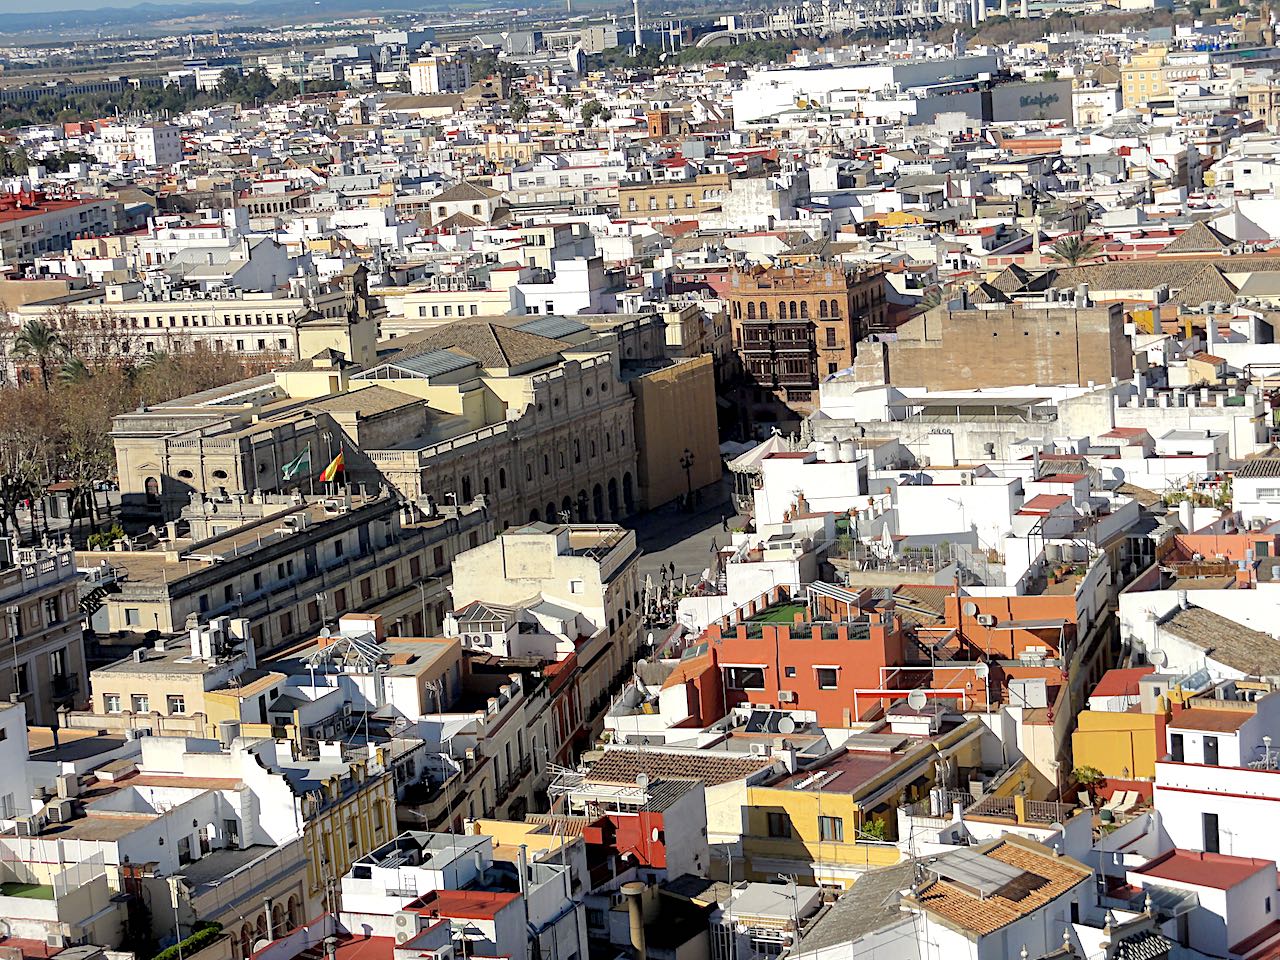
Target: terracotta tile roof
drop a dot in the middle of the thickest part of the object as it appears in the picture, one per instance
(1044, 879)
(622, 766)
(1228, 642)
(491, 344)
(1211, 719)
(1199, 238)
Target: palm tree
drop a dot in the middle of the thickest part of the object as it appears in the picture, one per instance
(40, 342)
(1075, 249)
(73, 371)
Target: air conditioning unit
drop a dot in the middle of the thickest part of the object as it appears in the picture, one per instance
(408, 926)
(759, 749)
(29, 826)
(786, 696)
(63, 811)
(966, 478)
(985, 620)
(56, 941)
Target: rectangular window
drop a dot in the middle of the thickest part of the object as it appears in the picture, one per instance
(831, 829)
(437, 557)
(828, 677)
(744, 678)
(415, 568)
(779, 825)
(141, 703)
(51, 609)
(1211, 751)
(111, 703)
(132, 616)
(366, 588)
(1209, 824)
(176, 703)
(391, 578)
(1176, 753)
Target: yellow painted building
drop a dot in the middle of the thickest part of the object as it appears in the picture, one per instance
(346, 817)
(1123, 746)
(1143, 78)
(828, 824)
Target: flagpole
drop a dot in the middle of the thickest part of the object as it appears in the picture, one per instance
(311, 472)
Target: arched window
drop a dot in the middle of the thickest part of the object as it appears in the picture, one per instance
(804, 309)
(751, 310)
(502, 478)
(822, 308)
(835, 308)
(764, 310)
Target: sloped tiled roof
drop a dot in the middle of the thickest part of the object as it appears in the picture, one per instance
(622, 766)
(1011, 279)
(1044, 878)
(493, 345)
(1199, 238)
(465, 191)
(1189, 281)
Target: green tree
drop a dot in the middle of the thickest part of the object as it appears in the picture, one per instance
(519, 107)
(39, 342)
(73, 371)
(1075, 249)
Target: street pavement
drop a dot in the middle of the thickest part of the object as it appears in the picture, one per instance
(672, 535)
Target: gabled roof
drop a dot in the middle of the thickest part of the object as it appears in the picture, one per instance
(1011, 279)
(493, 345)
(464, 192)
(1199, 238)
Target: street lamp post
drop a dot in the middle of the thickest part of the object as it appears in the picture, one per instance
(686, 463)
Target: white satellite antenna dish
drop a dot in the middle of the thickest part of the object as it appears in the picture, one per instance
(642, 780)
(917, 700)
(970, 609)
(786, 726)
(325, 633)
(982, 671)
(1158, 658)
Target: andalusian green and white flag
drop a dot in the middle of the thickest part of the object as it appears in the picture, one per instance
(299, 467)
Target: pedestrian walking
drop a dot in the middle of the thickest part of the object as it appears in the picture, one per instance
(724, 523)
(715, 547)
(672, 567)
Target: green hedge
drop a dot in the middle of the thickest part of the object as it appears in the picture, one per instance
(204, 935)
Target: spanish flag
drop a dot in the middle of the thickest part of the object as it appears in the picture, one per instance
(335, 467)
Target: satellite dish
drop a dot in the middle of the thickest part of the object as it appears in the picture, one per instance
(917, 700)
(642, 780)
(325, 633)
(982, 671)
(1057, 827)
(1118, 474)
(970, 609)
(1158, 658)
(786, 726)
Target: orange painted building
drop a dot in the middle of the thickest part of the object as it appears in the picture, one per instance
(818, 667)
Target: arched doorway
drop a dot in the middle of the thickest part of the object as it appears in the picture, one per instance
(551, 513)
(152, 489)
(613, 498)
(295, 913)
(533, 516)
(246, 941)
(566, 508)
(277, 920)
(584, 507)
(597, 502)
(628, 495)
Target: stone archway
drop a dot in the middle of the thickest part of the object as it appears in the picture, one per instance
(613, 498)
(628, 495)
(597, 502)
